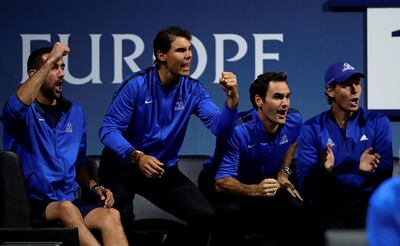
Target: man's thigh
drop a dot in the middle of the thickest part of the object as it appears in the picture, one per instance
(176, 194)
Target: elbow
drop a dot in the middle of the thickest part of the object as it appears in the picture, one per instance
(218, 187)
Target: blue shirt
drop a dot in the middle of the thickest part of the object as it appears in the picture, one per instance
(364, 129)
(252, 155)
(383, 218)
(49, 155)
(150, 117)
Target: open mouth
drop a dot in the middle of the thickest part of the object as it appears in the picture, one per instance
(59, 87)
(185, 67)
(354, 100)
(282, 113)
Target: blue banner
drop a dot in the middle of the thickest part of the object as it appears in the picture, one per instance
(110, 39)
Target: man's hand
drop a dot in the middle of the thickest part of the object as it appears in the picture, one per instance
(105, 195)
(59, 50)
(328, 158)
(283, 180)
(369, 160)
(150, 166)
(229, 84)
(269, 187)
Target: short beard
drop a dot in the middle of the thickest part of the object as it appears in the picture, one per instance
(48, 92)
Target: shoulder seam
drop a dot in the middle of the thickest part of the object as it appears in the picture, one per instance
(130, 78)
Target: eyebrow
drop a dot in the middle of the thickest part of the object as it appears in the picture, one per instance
(183, 48)
(279, 93)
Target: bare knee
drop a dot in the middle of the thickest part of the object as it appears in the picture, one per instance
(69, 213)
(64, 211)
(111, 219)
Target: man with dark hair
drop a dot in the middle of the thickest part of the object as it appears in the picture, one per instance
(48, 133)
(144, 128)
(254, 164)
(344, 153)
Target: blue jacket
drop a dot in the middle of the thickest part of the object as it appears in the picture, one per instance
(49, 156)
(365, 129)
(383, 220)
(147, 116)
(251, 155)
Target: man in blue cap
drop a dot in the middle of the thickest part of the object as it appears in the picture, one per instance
(343, 153)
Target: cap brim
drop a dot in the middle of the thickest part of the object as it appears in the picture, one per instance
(344, 76)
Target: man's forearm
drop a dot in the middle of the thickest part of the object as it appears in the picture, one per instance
(233, 186)
(30, 89)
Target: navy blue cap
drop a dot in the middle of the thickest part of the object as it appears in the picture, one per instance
(340, 72)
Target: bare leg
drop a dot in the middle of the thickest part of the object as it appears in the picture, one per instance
(108, 221)
(70, 216)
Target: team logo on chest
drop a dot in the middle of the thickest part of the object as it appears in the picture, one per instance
(364, 138)
(330, 142)
(284, 140)
(179, 105)
(68, 129)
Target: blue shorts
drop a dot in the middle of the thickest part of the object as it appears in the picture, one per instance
(84, 206)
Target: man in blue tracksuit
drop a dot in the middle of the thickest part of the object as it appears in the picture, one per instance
(48, 133)
(144, 128)
(344, 153)
(254, 164)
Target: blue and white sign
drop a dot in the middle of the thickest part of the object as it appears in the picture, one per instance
(110, 39)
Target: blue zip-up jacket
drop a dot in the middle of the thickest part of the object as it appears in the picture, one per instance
(147, 116)
(365, 129)
(49, 156)
(252, 155)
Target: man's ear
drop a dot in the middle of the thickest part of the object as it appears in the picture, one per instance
(31, 72)
(161, 55)
(330, 90)
(258, 100)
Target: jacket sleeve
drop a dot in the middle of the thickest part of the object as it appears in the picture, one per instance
(382, 216)
(14, 110)
(230, 159)
(14, 113)
(116, 121)
(219, 123)
(383, 146)
(81, 158)
(308, 164)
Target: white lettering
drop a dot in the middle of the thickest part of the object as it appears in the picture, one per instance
(137, 42)
(201, 57)
(94, 74)
(26, 50)
(259, 55)
(139, 48)
(219, 51)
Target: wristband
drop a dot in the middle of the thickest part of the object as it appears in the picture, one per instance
(97, 186)
(136, 155)
(286, 170)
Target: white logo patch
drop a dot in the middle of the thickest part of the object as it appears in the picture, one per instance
(69, 128)
(347, 66)
(284, 140)
(148, 101)
(251, 146)
(363, 138)
(330, 142)
(179, 106)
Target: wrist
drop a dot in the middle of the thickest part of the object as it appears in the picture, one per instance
(136, 155)
(286, 170)
(95, 187)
